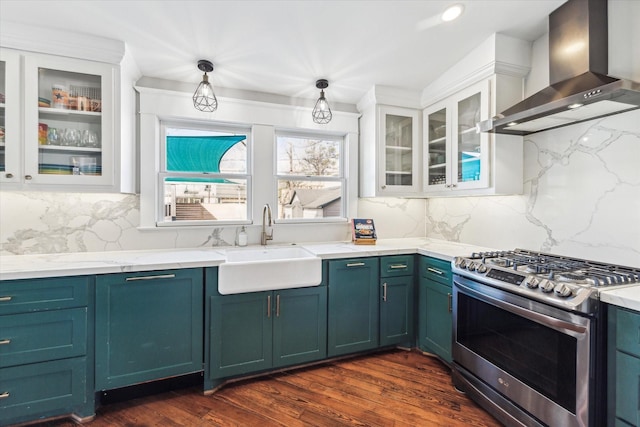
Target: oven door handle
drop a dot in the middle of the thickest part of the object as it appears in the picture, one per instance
(509, 302)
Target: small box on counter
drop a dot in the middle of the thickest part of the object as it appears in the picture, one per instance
(363, 231)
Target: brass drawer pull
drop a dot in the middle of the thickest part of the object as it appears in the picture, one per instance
(159, 276)
(395, 266)
(268, 305)
(4, 395)
(5, 299)
(355, 264)
(5, 342)
(433, 270)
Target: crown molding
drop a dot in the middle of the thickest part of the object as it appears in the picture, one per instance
(61, 43)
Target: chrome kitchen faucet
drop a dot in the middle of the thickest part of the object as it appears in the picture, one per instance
(266, 211)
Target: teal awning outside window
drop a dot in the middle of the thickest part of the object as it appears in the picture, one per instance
(198, 153)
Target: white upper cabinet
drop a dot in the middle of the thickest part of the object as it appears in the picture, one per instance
(68, 122)
(458, 160)
(68, 114)
(455, 155)
(10, 129)
(390, 152)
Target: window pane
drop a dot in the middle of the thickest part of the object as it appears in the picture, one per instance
(198, 199)
(309, 199)
(196, 150)
(308, 156)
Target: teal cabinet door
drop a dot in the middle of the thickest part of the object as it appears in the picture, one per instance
(300, 326)
(241, 334)
(435, 319)
(624, 367)
(396, 311)
(353, 317)
(148, 326)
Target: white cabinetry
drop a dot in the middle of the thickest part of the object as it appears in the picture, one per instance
(390, 152)
(61, 122)
(460, 161)
(10, 129)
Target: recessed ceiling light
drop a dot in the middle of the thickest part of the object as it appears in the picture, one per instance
(452, 12)
(574, 106)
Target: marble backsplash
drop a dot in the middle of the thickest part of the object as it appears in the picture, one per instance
(581, 198)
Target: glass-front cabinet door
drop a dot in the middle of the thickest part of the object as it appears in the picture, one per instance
(456, 155)
(399, 143)
(68, 121)
(10, 130)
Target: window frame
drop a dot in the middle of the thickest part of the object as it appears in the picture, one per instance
(163, 173)
(341, 178)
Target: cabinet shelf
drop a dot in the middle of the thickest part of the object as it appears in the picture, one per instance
(70, 148)
(438, 166)
(397, 147)
(388, 172)
(65, 112)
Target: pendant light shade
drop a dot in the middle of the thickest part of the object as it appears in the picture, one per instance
(321, 112)
(204, 99)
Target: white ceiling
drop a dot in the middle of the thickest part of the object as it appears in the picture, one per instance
(282, 47)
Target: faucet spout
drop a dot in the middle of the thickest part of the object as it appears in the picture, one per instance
(266, 215)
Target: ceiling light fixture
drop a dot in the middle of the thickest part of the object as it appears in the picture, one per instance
(203, 98)
(452, 12)
(321, 112)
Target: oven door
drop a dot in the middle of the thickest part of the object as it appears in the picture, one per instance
(534, 355)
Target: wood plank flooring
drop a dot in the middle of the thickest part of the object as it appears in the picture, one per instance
(394, 388)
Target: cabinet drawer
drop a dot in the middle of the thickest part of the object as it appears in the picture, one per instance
(22, 296)
(38, 337)
(435, 269)
(42, 389)
(628, 332)
(397, 265)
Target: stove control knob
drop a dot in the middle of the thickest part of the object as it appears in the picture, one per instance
(481, 268)
(460, 262)
(547, 286)
(563, 290)
(532, 282)
(471, 266)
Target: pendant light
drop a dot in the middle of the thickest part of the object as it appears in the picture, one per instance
(204, 99)
(321, 112)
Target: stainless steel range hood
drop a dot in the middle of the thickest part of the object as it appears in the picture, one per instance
(579, 86)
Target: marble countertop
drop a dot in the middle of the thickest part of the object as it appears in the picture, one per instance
(14, 267)
(623, 297)
(81, 263)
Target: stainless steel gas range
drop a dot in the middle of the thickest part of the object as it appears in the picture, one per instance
(529, 338)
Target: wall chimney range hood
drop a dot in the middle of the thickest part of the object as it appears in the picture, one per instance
(579, 88)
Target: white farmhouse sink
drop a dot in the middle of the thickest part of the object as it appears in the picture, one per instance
(268, 268)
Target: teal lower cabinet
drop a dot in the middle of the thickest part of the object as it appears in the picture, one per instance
(46, 350)
(434, 307)
(353, 322)
(624, 367)
(258, 331)
(397, 301)
(149, 326)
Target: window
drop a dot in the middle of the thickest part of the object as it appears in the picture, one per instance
(204, 175)
(310, 177)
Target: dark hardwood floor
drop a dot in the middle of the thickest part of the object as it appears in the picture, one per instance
(394, 388)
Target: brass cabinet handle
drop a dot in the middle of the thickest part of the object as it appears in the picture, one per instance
(4, 395)
(395, 266)
(384, 292)
(433, 270)
(268, 305)
(278, 305)
(450, 302)
(355, 264)
(4, 342)
(5, 299)
(159, 276)
(28, 177)
(9, 175)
